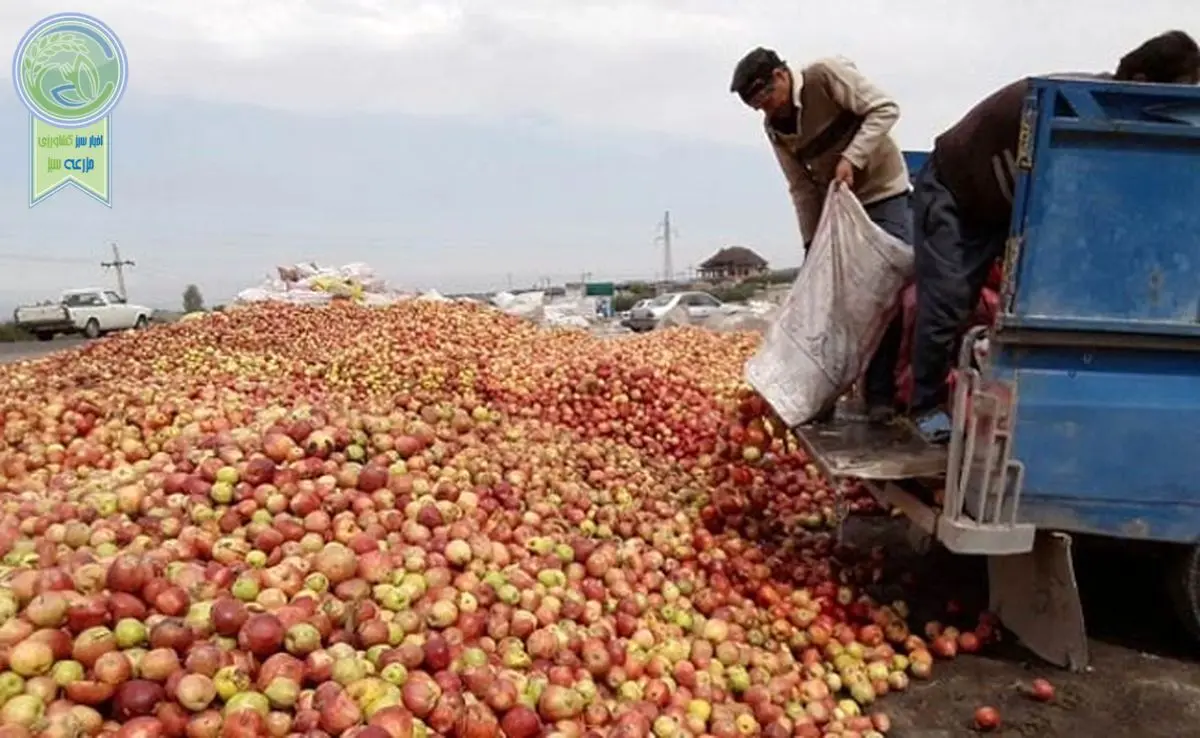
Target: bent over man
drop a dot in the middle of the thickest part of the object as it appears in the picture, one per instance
(962, 207)
(827, 123)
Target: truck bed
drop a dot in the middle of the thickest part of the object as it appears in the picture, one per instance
(49, 317)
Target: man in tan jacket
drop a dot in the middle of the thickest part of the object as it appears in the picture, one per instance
(827, 123)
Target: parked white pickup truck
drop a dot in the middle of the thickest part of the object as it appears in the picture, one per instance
(91, 312)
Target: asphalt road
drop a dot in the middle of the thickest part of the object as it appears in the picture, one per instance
(18, 351)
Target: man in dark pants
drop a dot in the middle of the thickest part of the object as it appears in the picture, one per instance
(962, 208)
(826, 123)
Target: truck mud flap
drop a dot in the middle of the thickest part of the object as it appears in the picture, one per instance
(1036, 596)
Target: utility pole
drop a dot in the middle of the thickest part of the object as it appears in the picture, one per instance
(118, 264)
(665, 239)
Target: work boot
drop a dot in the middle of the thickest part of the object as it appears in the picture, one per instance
(934, 425)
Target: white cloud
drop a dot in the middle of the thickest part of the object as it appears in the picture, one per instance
(658, 65)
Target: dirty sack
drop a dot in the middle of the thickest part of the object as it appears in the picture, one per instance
(985, 313)
(834, 316)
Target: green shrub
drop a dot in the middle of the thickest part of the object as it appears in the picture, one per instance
(775, 276)
(737, 293)
(10, 333)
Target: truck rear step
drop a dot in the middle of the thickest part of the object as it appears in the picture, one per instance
(981, 482)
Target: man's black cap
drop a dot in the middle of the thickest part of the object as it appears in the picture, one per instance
(753, 73)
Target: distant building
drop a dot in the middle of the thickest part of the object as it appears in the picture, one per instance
(732, 262)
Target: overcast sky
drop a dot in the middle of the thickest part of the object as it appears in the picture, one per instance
(463, 144)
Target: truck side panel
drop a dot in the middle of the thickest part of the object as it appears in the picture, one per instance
(1110, 439)
(1100, 322)
(1109, 227)
(915, 160)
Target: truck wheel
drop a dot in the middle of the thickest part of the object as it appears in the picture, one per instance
(1184, 588)
(44, 336)
(141, 323)
(92, 329)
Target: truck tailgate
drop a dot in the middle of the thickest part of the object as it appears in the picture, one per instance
(34, 314)
(849, 447)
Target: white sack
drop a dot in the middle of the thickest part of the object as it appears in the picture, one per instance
(528, 305)
(578, 311)
(357, 270)
(307, 270)
(677, 316)
(739, 321)
(295, 297)
(375, 299)
(254, 294)
(365, 276)
(561, 320)
(835, 314)
(762, 308)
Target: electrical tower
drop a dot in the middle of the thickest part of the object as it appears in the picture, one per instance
(118, 264)
(664, 237)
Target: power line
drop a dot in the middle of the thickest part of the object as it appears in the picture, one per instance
(44, 259)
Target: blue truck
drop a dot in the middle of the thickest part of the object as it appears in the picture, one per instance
(1084, 417)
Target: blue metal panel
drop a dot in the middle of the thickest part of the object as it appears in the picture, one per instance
(915, 160)
(1107, 218)
(1110, 439)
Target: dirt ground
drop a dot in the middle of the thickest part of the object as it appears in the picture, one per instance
(1144, 680)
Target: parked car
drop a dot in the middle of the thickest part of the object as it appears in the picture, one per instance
(698, 305)
(624, 315)
(91, 312)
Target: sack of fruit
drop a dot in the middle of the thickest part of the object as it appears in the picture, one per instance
(835, 314)
(985, 314)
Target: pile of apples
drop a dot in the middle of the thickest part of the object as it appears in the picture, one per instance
(425, 519)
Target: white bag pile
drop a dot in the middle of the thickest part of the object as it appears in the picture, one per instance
(311, 284)
(560, 313)
(676, 317)
(754, 316)
(571, 313)
(527, 305)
